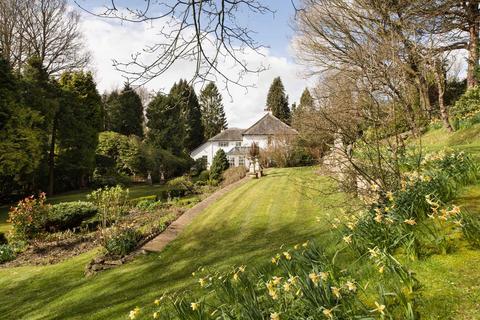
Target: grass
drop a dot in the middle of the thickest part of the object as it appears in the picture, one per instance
(248, 225)
(135, 192)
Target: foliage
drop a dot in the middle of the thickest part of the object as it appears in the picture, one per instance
(468, 104)
(111, 202)
(199, 166)
(7, 253)
(470, 224)
(28, 217)
(306, 101)
(184, 96)
(124, 112)
(277, 101)
(233, 174)
(219, 165)
(3, 238)
(204, 175)
(69, 215)
(120, 241)
(180, 186)
(211, 107)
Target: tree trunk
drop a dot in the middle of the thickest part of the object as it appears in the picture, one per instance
(473, 13)
(51, 158)
(440, 80)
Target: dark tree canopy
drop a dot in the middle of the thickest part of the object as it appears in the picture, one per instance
(213, 115)
(124, 112)
(184, 95)
(306, 101)
(277, 101)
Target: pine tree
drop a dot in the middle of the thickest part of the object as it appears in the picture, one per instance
(219, 165)
(124, 112)
(306, 101)
(190, 115)
(213, 115)
(163, 115)
(277, 101)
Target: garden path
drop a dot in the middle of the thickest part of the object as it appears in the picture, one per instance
(173, 230)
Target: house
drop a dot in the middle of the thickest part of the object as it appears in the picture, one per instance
(236, 142)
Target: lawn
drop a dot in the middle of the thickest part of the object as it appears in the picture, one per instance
(135, 192)
(246, 226)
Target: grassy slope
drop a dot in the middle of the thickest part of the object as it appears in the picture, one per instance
(247, 225)
(135, 192)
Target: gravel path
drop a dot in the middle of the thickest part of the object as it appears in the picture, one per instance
(159, 242)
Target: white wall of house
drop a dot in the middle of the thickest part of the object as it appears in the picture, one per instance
(210, 148)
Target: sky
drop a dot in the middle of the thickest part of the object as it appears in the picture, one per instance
(109, 39)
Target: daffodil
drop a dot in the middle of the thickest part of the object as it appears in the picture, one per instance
(380, 308)
(374, 252)
(293, 279)
(276, 280)
(305, 244)
(296, 247)
(235, 276)
(410, 221)
(378, 218)
(134, 313)
(328, 313)
(287, 255)
(242, 268)
(381, 269)
(323, 275)
(390, 195)
(318, 219)
(155, 315)
(286, 286)
(202, 282)
(274, 260)
(351, 286)
(194, 305)
(336, 292)
(275, 316)
(347, 239)
(157, 302)
(315, 277)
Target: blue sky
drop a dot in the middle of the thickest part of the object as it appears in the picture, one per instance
(108, 39)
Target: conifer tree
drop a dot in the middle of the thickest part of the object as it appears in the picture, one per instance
(219, 165)
(277, 101)
(190, 115)
(213, 115)
(124, 112)
(306, 101)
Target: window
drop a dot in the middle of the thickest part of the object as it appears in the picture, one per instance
(223, 143)
(231, 161)
(238, 144)
(241, 161)
(205, 160)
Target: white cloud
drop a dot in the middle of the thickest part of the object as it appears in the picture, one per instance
(111, 39)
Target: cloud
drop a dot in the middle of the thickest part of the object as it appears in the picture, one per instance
(110, 39)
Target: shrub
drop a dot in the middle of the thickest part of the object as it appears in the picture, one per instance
(219, 165)
(119, 241)
(232, 175)
(148, 205)
(69, 215)
(151, 198)
(6, 253)
(468, 104)
(111, 203)
(199, 166)
(204, 176)
(28, 217)
(180, 187)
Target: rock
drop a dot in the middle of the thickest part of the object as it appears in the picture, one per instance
(97, 267)
(114, 262)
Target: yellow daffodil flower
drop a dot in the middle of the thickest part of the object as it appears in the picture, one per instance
(336, 292)
(287, 255)
(351, 286)
(348, 239)
(380, 308)
(328, 313)
(194, 305)
(275, 316)
(410, 221)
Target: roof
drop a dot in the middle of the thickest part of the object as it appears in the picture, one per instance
(270, 125)
(231, 134)
(238, 151)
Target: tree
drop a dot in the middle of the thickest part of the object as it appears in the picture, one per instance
(165, 131)
(184, 96)
(213, 115)
(124, 112)
(48, 29)
(79, 124)
(306, 100)
(20, 134)
(219, 165)
(277, 101)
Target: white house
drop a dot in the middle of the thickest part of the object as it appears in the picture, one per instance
(236, 142)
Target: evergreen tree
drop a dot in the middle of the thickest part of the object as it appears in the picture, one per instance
(20, 133)
(124, 112)
(190, 115)
(277, 101)
(165, 132)
(213, 115)
(219, 165)
(306, 101)
(79, 125)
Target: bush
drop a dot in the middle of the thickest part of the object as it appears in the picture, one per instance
(199, 166)
(204, 176)
(111, 203)
(232, 175)
(219, 165)
(28, 217)
(468, 104)
(148, 205)
(69, 215)
(180, 187)
(6, 253)
(120, 241)
(136, 201)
